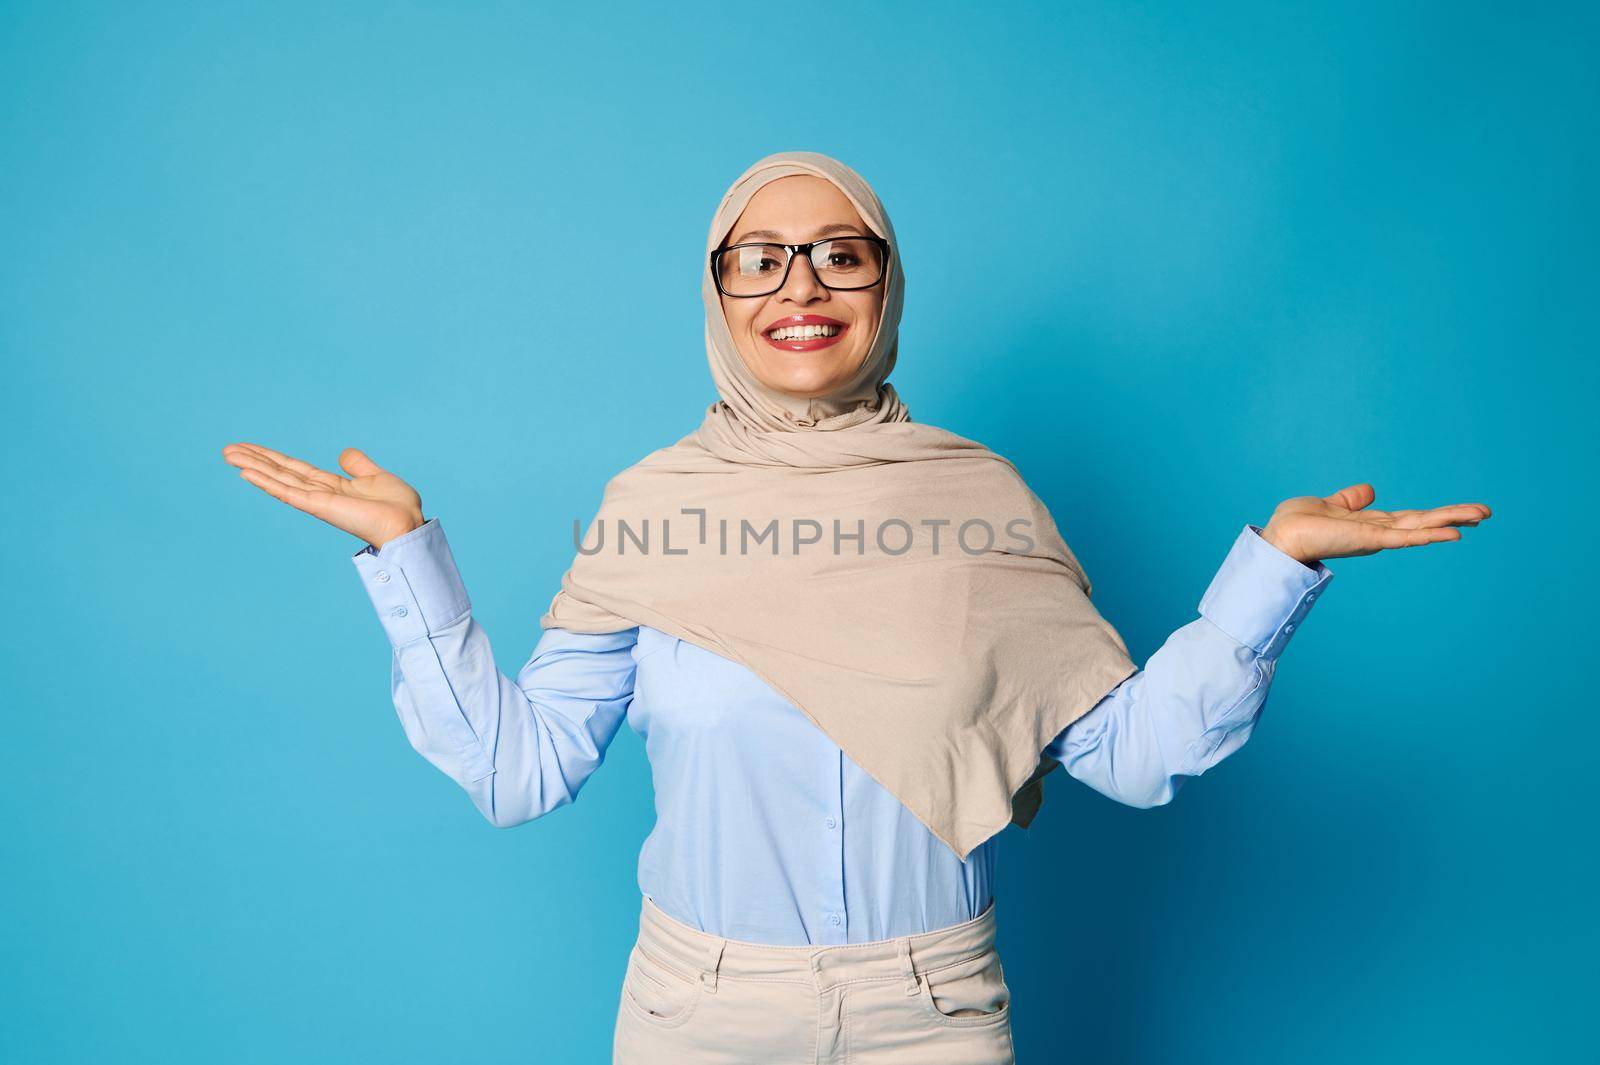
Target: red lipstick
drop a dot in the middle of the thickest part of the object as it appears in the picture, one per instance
(809, 343)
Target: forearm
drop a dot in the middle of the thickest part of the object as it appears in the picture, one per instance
(1199, 696)
(516, 756)
(1195, 702)
(474, 724)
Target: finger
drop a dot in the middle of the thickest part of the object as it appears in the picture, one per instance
(355, 462)
(246, 459)
(279, 476)
(252, 461)
(311, 473)
(312, 502)
(1397, 537)
(263, 458)
(1460, 514)
(1353, 497)
(233, 453)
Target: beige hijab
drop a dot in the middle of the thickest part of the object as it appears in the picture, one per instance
(939, 656)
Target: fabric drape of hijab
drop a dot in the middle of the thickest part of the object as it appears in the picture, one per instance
(901, 585)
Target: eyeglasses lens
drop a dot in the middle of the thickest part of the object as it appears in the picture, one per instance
(758, 269)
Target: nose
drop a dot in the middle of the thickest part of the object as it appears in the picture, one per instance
(802, 285)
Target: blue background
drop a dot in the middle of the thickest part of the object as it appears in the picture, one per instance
(1179, 265)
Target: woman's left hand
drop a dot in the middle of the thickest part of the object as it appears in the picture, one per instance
(1311, 528)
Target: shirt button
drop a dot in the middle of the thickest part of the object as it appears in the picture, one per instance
(1310, 596)
(1289, 627)
(833, 918)
(831, 822)
(383, 576)
(400, 611)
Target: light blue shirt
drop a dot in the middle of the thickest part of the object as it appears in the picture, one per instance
(765, 830)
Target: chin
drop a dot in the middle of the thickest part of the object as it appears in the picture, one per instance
(809, 385)
(809, 381)
(807, 390)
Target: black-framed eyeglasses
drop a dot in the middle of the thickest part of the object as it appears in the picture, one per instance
(841, 263)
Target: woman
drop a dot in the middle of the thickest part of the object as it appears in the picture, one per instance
(840, 718)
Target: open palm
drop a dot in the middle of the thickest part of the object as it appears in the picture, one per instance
(371, 503)
(1310, 528)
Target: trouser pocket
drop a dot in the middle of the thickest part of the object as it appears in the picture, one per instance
(970, 993)
(657, 991)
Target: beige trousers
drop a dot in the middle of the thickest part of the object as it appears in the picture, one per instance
(939, 998)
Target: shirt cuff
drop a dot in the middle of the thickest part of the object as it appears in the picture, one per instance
(413, 583)
(1261, 594)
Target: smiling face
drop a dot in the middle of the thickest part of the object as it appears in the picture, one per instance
(796, 210)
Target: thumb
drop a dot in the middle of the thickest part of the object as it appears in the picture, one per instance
(355, 462)
(1353, 497)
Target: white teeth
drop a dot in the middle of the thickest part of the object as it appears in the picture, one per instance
(804, 332)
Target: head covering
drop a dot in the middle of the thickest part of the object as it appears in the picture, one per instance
(901, 585)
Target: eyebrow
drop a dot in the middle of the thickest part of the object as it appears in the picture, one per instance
(767, 234)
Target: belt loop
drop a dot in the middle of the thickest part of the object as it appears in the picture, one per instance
(708, 975)
(904, 947)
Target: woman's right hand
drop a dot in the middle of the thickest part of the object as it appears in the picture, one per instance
(371, 503)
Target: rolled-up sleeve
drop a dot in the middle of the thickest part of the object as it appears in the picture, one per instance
(1199, 696)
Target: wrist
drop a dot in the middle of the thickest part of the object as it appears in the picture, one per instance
(411, 525)
(1274, 536)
